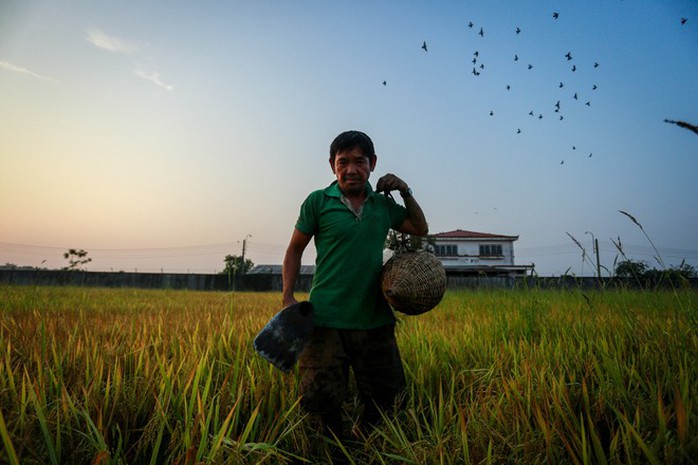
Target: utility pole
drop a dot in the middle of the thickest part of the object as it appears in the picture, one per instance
(598, 263)
(244, 246)
(595, 244)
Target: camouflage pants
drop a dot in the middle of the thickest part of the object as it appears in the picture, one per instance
(373, 356)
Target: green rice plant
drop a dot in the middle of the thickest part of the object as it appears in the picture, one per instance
(7, 443)
(121, 376)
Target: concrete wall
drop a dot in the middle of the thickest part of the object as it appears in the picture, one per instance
(469, 253)
(562, 282)
(205, 282)
(273, 282)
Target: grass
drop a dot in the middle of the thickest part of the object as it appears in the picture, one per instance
(100, 376)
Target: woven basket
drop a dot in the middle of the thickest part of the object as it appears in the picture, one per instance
(413, 282)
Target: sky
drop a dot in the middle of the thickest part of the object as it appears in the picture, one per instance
(165, 135)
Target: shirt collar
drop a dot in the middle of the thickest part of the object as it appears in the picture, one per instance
(333, 190)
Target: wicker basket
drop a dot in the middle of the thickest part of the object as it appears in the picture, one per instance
(413, 282)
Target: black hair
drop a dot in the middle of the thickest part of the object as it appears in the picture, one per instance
(350, 139)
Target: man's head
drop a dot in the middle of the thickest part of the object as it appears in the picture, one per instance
(352, 158)
(350, 139)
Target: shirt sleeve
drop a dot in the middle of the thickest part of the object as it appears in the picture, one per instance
(307, 219)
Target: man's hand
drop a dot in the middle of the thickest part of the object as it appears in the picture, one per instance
(415, 223)
(390, 182)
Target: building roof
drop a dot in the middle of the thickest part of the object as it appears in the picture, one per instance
(463, 234)
(276, 269)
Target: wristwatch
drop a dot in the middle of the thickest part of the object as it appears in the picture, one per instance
(406, 194)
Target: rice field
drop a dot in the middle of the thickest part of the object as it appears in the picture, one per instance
(124, 376)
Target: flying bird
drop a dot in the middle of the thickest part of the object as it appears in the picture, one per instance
(590, 154)
(508, 87)
(470, 24)
(491, 113)
(424, 46)
(562, 162)
(540, 116)
(588, 104)
(516, 57)
(561, 85)
(530, 113)
(556, 15)
(568, 56)
(596, 64)
(683, 124)
(518, 131)
(530, 66)
(561, 117)
(476, 53)
(474, 60)
(482, 33)
(594, 87)
(683, 21)
(385, 83)
(575, 96)
(518, 30)
(574, 68)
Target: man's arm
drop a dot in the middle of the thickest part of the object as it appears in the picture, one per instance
(415, 223)
(292, 264)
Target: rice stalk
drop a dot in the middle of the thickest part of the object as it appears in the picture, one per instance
(7, 442)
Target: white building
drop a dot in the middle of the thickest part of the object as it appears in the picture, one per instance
(464, 253)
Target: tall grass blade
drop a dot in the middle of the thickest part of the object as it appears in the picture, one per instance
(43, 424)
(9, 448)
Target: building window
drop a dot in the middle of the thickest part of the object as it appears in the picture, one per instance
(445, 250)
(491, 250)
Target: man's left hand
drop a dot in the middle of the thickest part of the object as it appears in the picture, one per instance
(390, 182)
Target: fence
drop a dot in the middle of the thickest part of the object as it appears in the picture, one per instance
(204, 282)
(567, 282)
(273, 282)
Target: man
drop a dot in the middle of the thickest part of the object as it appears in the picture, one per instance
(354, 325)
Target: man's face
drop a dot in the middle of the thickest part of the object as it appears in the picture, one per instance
(352, 169)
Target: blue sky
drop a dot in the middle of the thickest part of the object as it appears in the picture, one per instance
(159, 135)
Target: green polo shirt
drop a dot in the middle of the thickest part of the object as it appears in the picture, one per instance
(346, 286)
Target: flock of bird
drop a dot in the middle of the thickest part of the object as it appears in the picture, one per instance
(479, 67)
(557, 107)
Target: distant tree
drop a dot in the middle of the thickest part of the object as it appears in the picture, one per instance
(410, 242)
(76, 259)
(685, 270)
(674, 273)
(235, 264)
(631, 269)
(643, 273)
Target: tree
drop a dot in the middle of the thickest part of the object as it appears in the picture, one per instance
(674, 273)
(76, 259)
(235, 264)
(641, 270)
(631, 269)
(396, 239)
(685, 270)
